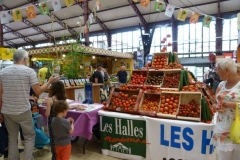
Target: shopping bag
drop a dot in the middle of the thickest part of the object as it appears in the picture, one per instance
(235, 128)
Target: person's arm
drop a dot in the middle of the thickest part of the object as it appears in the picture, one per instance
(71, 120)
(49, 105)
(1, 91)
(40, 89)
(96, 75)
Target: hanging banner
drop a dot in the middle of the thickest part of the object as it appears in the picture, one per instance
(90, 18)
(69, 2)
(135, 0)
(31, 12)
(206, 21)
(98, 4)
(144, 3)
(194, 18)
(158, 6)
(182, 15)
(80, 0)
(56, 5)
(4, 18)
(238, 20)
(43, 7)
(17, 15)
(6, 54)
(169, 10)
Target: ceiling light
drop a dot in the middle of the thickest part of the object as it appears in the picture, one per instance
(93, 57)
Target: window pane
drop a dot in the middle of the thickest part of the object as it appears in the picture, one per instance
(199, 32)
(192, 33)
(180, 34)
(225, 46)
(199, 47)
(226, 29)
(185, 48)
(192, 47)
(205, 47)
(233, 45)
(186, 32)
(136, 37)
(212, 46)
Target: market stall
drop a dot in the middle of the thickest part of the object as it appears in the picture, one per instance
(165, 95)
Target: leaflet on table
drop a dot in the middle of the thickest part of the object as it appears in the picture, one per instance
(83, 107)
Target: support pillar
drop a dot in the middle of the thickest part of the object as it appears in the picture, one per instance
(174, 35)
(1, 30)
(109, 41)
(86, 14)
(219, 26)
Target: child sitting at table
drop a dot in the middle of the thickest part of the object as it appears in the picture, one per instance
(56, 92)
(62, 128)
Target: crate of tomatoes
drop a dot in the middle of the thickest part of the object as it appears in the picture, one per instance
(171, 80)
(155, 77)
(160, 60)
(149, 103)
(138, 77)
(169, 104)
(190, 106)
(124, 100)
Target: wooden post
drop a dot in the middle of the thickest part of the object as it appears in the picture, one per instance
(1, 30)
(86, 32)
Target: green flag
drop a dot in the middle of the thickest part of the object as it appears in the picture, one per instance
(158, 6)
(206, 21)
(43, 7)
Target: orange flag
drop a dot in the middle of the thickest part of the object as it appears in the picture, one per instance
(194, 18)
(144, 3)
(31, 12)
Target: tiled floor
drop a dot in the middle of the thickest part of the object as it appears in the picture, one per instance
(92, 151)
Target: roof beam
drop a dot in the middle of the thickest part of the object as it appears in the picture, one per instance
(98, 21)
(134, 15)
(10, 43)
(59, 21)
(18, 34)
(143, 21)
(27, 22)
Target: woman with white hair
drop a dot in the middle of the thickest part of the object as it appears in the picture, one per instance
(227, 94)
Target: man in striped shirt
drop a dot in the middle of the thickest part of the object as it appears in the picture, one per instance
(15, 83)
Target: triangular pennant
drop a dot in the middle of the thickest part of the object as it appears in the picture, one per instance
(182, 15)
(238, 21)
(4, 17)
(98, 4)
(144, 3)
(31, 12)
(194, 18)
(206, 21)
(158, 6)
(17, 15)
(135, 0)
(56, 5)
(43, 7)
(169, 10)
(69, 2)
(95, 12)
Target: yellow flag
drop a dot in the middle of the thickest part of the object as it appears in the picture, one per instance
(17, 15)
(135, 0)
(194, 18)
(182, 15)
(69, 2)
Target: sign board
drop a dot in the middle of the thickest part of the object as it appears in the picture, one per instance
(79, 94)
(125, 138)
(179, 139)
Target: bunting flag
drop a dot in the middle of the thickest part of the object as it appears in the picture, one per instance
(90, 18)
(17, 15)
(4, 18)
(56, 5)
(94, 11)
(98, 4)
(238, 21)
(43, 7)
(158, 6)
(206, 21)
(194, 18)
(80, 0)
(169, 10)
(144, 3)
(31, 12)
(182, 15)
(69, 2)
(135, 0)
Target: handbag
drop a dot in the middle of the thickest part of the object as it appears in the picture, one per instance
(235, 128)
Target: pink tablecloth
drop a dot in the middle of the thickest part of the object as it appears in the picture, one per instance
(84, 121)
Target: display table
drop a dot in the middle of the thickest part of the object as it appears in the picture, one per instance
(137, 137)
(83, 120)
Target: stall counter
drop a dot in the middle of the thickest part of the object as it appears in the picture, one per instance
(137, 137)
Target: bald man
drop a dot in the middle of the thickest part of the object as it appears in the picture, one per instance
(122, 75)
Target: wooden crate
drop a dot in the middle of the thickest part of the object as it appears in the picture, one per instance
(153, 72)
(120, 107)
(170, 104)
(185, 98)
(155, 55)
(167, 72)
(138, 72)
(145, 95)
